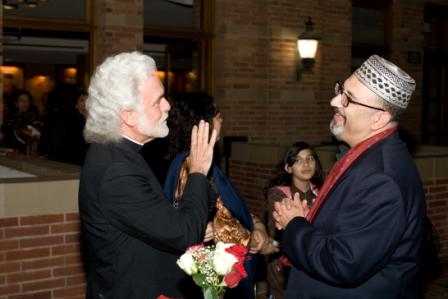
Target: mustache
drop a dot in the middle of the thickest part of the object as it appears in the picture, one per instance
(339, 111)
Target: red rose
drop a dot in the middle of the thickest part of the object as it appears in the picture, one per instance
(163, 297)
(239, 267)
(238, 251)
(232, 279)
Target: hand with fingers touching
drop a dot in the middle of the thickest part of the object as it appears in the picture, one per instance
(259, 240)
(201, 149)
(288, 209)
(259, 237)
(209, 232)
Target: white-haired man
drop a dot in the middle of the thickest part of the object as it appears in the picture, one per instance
(362, 237)
(133, 235)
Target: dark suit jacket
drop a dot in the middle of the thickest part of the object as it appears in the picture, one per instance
(133, 234)
(366, 239)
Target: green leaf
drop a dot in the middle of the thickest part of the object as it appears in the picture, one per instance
(199, 279)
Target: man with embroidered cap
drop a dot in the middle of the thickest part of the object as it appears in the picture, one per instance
(362, 237)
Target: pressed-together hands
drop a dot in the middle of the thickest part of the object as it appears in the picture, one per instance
(288, 209)
(201, 149)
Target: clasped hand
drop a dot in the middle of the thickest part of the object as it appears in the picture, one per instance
(287, 209)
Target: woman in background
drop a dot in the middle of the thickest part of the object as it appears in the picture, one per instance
(300, 171)
(230, 219)
(22, 126)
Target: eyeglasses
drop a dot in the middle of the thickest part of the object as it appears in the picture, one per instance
(346, 99)
(308, 160)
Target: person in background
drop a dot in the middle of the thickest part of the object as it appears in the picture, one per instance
(362, 237)
(62, 133)
(300, 171)
(81, 104)
(2, 124)
(77, 120)
(239, 225)
(22, 127)
(133, 235)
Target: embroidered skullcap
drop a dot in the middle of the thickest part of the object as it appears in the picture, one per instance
(386, 80)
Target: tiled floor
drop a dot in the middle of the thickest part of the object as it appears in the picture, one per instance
(437, 289)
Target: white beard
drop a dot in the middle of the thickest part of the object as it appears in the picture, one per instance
(160, 130)
(336, 130)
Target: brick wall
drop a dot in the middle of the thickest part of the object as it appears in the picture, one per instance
(40, 257)
(259, 174)
(255, 62)
(437, 209)
(255, 68)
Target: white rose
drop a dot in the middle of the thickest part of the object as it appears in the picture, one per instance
(186, 263)
(222, 260)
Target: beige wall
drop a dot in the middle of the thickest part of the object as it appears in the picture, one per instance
(37, 198)
(54, 189)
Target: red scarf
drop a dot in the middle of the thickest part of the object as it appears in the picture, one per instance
(341, 166)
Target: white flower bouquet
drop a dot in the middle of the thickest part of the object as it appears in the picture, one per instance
(214, 268)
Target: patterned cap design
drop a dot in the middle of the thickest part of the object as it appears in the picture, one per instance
(386, 80)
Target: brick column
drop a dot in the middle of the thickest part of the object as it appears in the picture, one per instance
(1, 63)
(406, 36)
(241, 65)
(119, 28)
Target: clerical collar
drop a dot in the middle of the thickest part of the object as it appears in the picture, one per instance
(132, 140)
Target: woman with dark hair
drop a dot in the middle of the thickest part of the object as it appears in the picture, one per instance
(300, 171)
(23, 124)
(229, 219)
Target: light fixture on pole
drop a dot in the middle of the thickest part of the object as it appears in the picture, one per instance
(307, 43)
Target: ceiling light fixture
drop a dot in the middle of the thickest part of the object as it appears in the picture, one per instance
(32, 3)
(15, 4)
(9, 4)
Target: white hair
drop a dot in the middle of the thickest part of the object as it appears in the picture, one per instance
(115, 87)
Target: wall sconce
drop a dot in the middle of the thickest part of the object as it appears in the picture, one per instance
(307, 43)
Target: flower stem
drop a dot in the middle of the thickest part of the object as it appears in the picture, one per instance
(210, 293)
